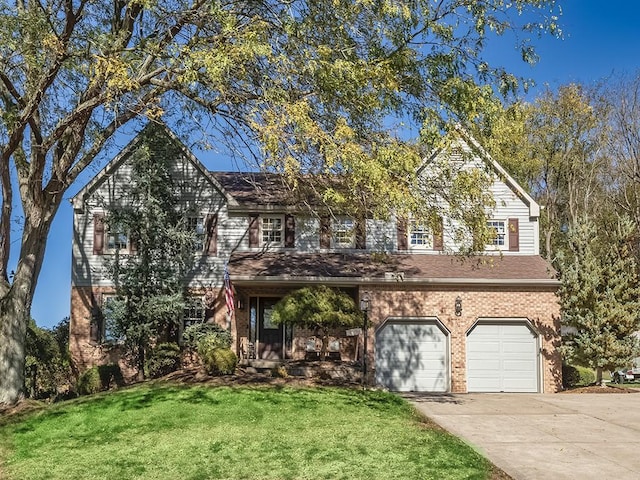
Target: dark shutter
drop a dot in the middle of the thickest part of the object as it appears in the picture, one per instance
(514, 235)
(325, 232)
(254, 231)
(438, 237)
(401, 228)
(211, 228)
(361, 233)
(289, 231)
(97, 318)
(98, 233)
(133, 243)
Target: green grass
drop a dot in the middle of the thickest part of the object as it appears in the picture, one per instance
(200, 432)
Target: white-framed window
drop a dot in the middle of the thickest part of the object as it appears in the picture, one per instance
(419, 235)
(193, 311)
(196, 225)
(116, 239)
(344, 233)
(498, 230)
(272, 230)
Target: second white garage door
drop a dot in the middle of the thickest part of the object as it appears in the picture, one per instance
(412, 356)
(502, 358)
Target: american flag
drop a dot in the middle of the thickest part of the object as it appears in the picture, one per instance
(228, 292)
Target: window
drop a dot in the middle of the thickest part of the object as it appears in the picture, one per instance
(497, 230)
(344, 233)
(272, 230)
(117, 239)
(196, 226)
(419, 235)
(193, 311)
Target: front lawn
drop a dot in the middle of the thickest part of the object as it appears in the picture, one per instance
(203, 432)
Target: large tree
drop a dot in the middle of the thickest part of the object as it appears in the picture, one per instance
(150, 281)
(302, 84)
(600, 294)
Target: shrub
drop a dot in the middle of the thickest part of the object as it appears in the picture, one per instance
(193, 334)
(89, 382)
(574, 376)
(279, 372)
(570, 376)
(110, 376)
(587, 375)
(216, 360)
(164, 359)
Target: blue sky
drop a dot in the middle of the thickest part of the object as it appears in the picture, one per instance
(600, 39)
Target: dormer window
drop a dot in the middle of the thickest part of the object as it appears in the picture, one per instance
(272, 230)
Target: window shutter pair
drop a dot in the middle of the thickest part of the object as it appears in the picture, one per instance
(289, 231)
(99, 229)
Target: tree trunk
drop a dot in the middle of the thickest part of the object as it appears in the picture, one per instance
(15, 304)
(13, 330)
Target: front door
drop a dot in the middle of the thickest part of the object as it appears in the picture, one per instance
(270, 336)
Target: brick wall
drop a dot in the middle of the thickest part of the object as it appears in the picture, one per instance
(539, 306)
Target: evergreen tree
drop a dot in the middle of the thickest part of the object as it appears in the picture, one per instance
(150, 279)
(599, 296)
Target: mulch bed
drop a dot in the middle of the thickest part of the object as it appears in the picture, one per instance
(600, 389)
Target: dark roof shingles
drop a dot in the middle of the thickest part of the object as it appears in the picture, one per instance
(421, 266)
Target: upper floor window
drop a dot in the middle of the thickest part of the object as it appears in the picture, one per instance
(419, 235)
(117, 239)
(195, 224)
(497, 228)
(272, 230)
(343, 233)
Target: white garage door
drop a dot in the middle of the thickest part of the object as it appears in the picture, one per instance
(411, 357)
(502, 358)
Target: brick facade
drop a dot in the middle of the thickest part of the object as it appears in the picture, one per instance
(539, 306)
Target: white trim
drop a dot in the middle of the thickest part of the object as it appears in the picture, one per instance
(261, 232)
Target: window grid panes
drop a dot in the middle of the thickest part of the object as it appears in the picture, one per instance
(419, 235)
(116, 239)
(497, 227)
(272, 230)
(196, 225)
(193, 311)
(343, 233)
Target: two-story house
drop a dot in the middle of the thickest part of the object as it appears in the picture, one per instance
(438, 321)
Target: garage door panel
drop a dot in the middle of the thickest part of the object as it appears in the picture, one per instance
(502, 358)
(411, 357)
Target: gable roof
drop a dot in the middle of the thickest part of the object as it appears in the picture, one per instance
(79, 198)
(474, 145)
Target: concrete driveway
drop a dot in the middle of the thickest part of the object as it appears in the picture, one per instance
(540, 436)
